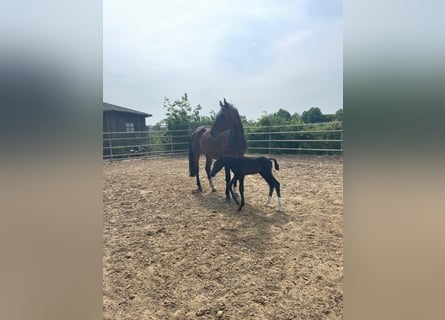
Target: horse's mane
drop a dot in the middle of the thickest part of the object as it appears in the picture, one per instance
(237, 138)
(238, 126)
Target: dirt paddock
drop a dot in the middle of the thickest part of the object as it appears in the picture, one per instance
(170, 253)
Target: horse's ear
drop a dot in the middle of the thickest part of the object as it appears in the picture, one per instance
(225, 104)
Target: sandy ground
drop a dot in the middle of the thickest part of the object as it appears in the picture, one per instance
(170, 253)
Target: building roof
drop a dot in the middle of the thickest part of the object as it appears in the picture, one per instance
(108, 107)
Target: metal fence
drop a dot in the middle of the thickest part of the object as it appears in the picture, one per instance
(315, 138)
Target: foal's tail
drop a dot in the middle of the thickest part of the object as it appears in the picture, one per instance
(277, 167)
(192, 167)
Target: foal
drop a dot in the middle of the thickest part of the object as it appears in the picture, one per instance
(242, 166)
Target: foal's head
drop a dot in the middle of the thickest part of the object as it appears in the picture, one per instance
(218, 165)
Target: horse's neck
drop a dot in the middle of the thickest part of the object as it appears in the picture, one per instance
(217, 130)
(233, 126)
(222, 135)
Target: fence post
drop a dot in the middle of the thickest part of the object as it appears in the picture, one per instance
(110, 145)
(268, 129)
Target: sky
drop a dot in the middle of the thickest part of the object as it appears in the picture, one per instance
(260, 55)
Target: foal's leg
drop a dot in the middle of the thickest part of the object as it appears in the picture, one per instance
(277, 188)
(268, 177)
(273, 183)
(241, 191)
(228, 184)
(231, 184)
(208, 167)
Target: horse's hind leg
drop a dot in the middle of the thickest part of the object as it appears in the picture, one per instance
(198, 182)
(208, 167)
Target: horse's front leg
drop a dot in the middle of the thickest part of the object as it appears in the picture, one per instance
(208, 171)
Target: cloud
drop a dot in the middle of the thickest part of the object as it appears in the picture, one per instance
(259, 54)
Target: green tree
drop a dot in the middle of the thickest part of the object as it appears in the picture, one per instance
(296, 117)
(181, 114)
(265, 121)
(280, 117)
(182, 117)
(313, 115)
(283, 114)
(339, 115)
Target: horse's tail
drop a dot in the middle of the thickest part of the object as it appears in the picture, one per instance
(277, 167)
(192, 167)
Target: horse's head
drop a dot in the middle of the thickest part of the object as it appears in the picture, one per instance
(227, 118)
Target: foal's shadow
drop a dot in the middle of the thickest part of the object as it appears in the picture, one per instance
(251, 227)
(216, 201)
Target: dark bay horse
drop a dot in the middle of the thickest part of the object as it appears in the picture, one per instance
(224, 137)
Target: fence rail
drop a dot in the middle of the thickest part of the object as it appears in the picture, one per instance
(319, 138)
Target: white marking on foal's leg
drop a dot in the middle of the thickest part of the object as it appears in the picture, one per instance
(211, 184)
(280, 205)
(268, 200)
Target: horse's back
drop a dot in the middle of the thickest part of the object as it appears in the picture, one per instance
(199, 131)
(197, 135)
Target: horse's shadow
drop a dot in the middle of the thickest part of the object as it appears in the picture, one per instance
(251, 227)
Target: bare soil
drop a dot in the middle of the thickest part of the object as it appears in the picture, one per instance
(171, 253)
